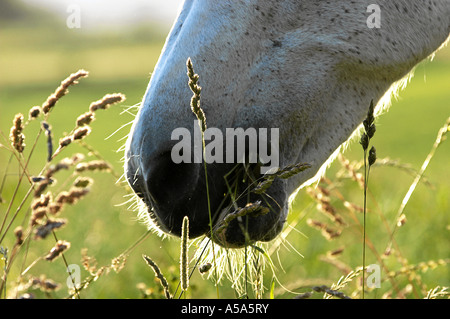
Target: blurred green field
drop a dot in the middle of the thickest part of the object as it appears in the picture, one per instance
(33, 61)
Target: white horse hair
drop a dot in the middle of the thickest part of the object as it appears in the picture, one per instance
(309, 68)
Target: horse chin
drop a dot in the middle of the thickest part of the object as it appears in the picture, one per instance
(238, 220)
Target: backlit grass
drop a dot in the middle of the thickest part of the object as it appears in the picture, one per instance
(35, 60)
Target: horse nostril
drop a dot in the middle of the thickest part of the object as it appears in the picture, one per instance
(169, 182)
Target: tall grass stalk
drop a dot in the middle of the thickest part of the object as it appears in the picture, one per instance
(441, 136)
(369, 131)
(197, 110)
(184, 255)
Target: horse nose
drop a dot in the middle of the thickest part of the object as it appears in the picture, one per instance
(170, 183)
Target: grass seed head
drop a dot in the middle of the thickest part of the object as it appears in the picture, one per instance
(34, 112)
(195, 100)
(204, 268)
(83, 182)
(62, 90)
(106, 102)
(16, 135)
(55, 208)
(41, 186)
(64, 141)
(372, 156)
(48, 132)
(264, 184)
(96, 165)
(81, 133)
(251, 209)
(364, 141)
(85, 119)
(326, 231)
(292, 170)
(368, 123)
(18, 232)
(60, 247)
(65, 163)
(72, 196)
(44, 230)
(41, 201)
(37, 215)
(48, 285)
(184, 259)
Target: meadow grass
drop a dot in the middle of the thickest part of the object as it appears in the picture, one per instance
(100, 231)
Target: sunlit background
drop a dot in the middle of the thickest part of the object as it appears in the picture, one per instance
(112, 14)
(119, 42)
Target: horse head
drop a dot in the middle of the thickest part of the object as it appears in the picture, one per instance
(307, 68)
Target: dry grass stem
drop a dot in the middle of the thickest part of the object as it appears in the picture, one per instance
(401, 218)
(62, 90)
(159, 275)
